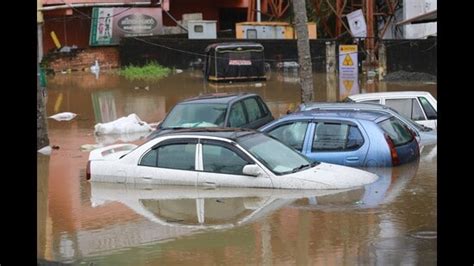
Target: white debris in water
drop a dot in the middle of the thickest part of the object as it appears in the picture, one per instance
(258, 84)
(90, 147)
(129, 124)
(65, 116)
(179, 71)
(45, 150)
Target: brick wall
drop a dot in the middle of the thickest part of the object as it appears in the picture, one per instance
(108, 58)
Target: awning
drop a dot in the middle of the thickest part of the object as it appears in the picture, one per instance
(431, 16)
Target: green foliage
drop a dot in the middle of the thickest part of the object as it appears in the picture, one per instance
(150, 71)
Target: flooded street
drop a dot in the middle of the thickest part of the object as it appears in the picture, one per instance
(392, 221)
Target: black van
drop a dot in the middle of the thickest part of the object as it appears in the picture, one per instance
(234, 61)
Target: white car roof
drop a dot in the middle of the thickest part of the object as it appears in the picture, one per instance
(389, 94)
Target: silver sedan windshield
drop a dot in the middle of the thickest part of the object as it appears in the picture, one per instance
(276, 156)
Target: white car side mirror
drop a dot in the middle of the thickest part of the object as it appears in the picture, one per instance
(251, 169)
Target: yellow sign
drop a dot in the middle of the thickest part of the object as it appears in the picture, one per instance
(348, 61)
(348, 84)
(348, 48)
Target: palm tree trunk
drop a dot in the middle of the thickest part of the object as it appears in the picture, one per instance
(304, 54)
(42, 139)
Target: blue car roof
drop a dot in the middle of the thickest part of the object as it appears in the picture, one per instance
(337, 114)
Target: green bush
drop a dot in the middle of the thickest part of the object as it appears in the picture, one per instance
(150, 71)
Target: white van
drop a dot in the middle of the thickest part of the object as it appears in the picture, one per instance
(420, 106)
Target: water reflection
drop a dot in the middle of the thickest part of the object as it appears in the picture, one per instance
(199, 208)
(429, 153)
(43, 226)
(104, 106)
(348, 87)
(126, 216)
(388, 186)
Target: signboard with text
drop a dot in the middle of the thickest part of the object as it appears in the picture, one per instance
(109, 24)
(357, 23)
(348, 71)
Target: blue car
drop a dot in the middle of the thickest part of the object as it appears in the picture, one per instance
(347, 137)
(425, 135)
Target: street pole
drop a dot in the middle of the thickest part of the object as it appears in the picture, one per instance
(259, 13)
(39, 20)
(304, 53)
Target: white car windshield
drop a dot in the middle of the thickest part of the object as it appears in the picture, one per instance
(195, 115)
(276, 156)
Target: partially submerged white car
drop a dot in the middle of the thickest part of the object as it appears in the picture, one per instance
(420, 106)
(219, 157)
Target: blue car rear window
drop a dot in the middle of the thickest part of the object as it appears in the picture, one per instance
(396, 131)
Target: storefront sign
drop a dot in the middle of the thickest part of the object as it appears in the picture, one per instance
(110, 24)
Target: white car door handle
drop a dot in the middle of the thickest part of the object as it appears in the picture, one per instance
(209, 184)
(147, 178)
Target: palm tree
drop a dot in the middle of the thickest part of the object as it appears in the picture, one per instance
(304, 54)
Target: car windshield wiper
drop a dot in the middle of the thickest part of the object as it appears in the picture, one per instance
(296, 169)
(173, 127)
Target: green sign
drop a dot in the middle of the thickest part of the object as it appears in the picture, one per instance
(101, 26)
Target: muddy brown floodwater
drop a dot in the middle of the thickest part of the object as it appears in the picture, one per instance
(392, 221)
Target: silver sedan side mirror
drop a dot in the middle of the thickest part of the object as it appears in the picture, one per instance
(251, 169)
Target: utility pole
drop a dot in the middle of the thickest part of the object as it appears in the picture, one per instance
(304, 54)
(39, 21)
(42, 139)
(259, 11)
